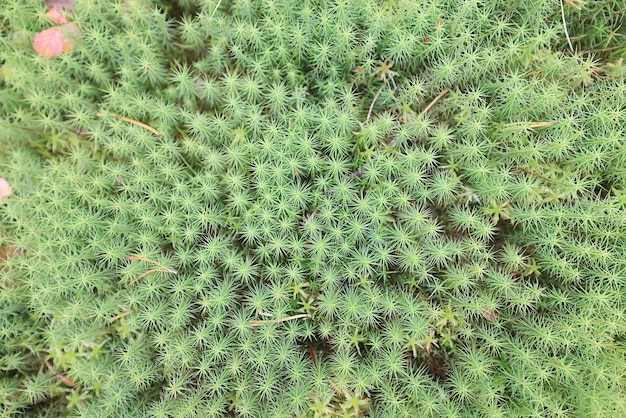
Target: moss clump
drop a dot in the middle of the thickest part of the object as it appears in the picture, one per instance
(347, 208)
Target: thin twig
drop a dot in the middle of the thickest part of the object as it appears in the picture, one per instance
(257, 323)
(134, 122)
(136, 257)
(540, 124)
(63, 378)
(532, 124)
(143, 275)
(369, 114)
(604, 49)
(119, 316)
(435, 100)
(312, 354)
(216, 7)
(565, 27)
(161, 268)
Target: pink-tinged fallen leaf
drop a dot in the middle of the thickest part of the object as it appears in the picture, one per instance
(5, 189)
(55, 15)
(49, 43)
(60, 4)
(72, 36)
(55, 41)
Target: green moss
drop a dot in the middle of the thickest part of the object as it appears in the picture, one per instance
(347, 208)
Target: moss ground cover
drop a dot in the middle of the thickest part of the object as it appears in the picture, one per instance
(267, 208)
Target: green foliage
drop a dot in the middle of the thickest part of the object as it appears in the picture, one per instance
(314, 209)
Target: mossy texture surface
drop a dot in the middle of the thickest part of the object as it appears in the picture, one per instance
(345, 208)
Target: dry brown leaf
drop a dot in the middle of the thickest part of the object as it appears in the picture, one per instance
(491, 316)
(8, 251)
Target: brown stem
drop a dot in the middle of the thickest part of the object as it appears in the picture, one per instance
(134, 122)
(435, 100)
(274, 321)
(63, 378)
(369, 113)
(119, 316)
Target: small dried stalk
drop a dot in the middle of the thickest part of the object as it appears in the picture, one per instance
(133, 121)
(258, 323)
(161, 268)
(60, 376)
